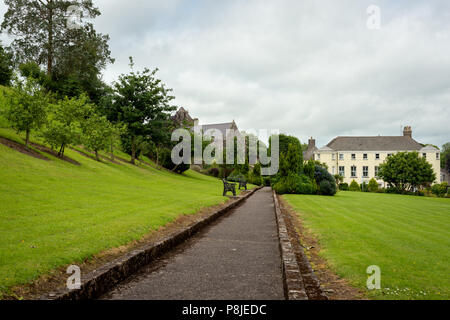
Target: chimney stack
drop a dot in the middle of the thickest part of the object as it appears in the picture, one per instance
(407, 131)
(311, 143)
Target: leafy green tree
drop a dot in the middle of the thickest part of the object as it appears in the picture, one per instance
(27, 107)
(373, 185)
(142, 102)
(97, 131)
(6, 70)
(354, 186)
(445, 156)
(284, 143)
(290, 162)
(64, 122)
(407, 171)
(72, 56)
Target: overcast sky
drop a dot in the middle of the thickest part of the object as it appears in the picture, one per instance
(307, 68)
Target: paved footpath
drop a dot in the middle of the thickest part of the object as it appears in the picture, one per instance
(237, 257)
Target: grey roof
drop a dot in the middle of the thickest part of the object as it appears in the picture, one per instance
(222, 127)
(379, 143)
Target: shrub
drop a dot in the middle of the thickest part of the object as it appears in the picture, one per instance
(439, 190)
(267, 181)
(343, 187)
(354, 186)
(236, 176)
(326, 188)
(373, 185)
(292, 184)
(321, 174)
(214, 172)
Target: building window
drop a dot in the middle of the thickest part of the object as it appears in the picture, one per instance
(318, 156)
(353, 156)
(365, 157)
(377, 156)
(353, 171)
(333, 157)
(389, 154)
(341, 156)
(377, 169)
(342, 171)
(334, 170)
(437, 156)
(424, 155)
(365, 172)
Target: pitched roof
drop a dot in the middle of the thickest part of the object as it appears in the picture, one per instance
(222, 127)
(378, 143)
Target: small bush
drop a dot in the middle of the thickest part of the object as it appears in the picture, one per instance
(326, 188)
(354, 186)
(321, 174)
(373, 185)
(364, 187)
(292, 184)
(439, 190)
(236, 176)
(343, 187)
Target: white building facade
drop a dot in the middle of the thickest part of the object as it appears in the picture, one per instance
(359, 158)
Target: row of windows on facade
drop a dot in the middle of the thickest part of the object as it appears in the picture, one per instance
(353, 171)
(366, 156)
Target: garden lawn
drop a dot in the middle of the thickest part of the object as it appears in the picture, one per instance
(407, 237)
(53, 213)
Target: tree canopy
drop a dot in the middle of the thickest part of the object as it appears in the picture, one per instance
(407, 171)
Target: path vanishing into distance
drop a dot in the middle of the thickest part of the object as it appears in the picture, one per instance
(235, 258)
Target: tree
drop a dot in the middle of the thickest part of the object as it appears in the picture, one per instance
(64, 122)
(28, 107)
(445, 156)
(142, 103)
(407, 171)
(373, 185)
(354, 186)
(6, 70)
(97, 132)
(42, 35)
(284, 143)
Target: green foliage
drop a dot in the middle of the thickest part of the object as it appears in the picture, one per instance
(255, 176)
(97, 133)
(165, 158)
(290, 161)
(325, 181)
(440, 190)
(407, 171)
(27, 107)
(364, 187)
(338, 178)
(73, 57)
(445, 156)
(354, 186)
(142, 102)
(237, 176)
(343, 187)
(6, 70)
(373, 185)
(64, 122)
(285, 143)
(294, 184)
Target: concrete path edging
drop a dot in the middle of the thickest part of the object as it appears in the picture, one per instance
(106, 277)
(294, 288)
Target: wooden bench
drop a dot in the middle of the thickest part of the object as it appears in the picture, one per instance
(227, 186)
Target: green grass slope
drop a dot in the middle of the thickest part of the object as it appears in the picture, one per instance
(54, 213)
(407, 237)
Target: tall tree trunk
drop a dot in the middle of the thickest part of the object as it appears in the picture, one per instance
(50, 39)
(27, 138)
(133, 150)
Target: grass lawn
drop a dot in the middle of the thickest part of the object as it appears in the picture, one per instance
(407, 237)
(53, 213)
